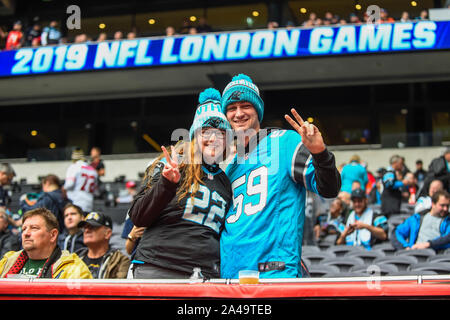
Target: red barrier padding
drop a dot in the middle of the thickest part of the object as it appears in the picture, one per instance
(120, 289)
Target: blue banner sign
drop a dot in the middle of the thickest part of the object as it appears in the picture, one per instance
(232, 46)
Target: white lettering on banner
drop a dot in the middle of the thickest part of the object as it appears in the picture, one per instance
(224, 47)
(374, 38)
(402, 36)
(106, 54)
(214, 46)
(141, 57)
(191, 48)
(166, 54)
(382, 37)
(238, 44)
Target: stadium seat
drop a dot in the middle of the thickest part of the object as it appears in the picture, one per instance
(317, 257)
(412, 273)
(367, 256)
(407, 209)
(327, 241)
(438, 267)
(395, 220)
(439, 258)
(309, 249)
(375, 207)
(320, 270)
(422, 255)
(117, 214)
(343, 263)
(384, 269)
(386, 247)
(341, 250)
(402, 262)
(345, 274)
(324, 245)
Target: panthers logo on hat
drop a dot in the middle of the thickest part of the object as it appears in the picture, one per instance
(236, 95)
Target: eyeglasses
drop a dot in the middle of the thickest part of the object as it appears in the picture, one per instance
(208, 133)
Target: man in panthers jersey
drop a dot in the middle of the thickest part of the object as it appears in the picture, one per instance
(270, 174)
(81, 182)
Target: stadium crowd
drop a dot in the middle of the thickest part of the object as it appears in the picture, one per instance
(35, 34)
(60, 231)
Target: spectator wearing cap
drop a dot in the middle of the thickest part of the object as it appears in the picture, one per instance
(131, 190)
(71, 238)
(41, 256)
(384, 16)
(353, 171)
(51, 34)
(33, 35)
(363, 227)
(103, 261)
(81, 181)
(420, 173)
(8, 240)
(353, 18)
(426, 230)
(51, 198)
(393, 184)
(439, 169)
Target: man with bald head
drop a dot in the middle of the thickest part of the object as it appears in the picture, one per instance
(423, 204)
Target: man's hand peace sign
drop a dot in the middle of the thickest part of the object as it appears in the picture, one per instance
(171, 171)
(311, 136)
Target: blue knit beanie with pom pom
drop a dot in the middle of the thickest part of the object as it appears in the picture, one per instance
(209, 112)
(242, 88)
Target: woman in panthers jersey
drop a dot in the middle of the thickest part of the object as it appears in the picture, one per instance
(184, 201)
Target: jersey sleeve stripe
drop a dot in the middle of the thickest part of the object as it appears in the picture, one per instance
(293, 161)
(300, 163)
(308, 161)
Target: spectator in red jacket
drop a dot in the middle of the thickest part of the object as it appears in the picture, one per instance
(14, 39)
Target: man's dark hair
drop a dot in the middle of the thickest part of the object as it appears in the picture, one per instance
(77, 208)
(53, 179)
(438, 194)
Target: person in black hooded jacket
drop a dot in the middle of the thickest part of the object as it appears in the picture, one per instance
(439, 169)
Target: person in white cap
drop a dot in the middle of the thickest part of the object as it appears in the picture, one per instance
(81, 181)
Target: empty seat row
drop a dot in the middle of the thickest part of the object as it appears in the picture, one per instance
(380, 266)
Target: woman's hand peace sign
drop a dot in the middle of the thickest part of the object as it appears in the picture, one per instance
(171, 171)
(311, 136)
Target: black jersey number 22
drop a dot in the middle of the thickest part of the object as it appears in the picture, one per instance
(207, 219)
